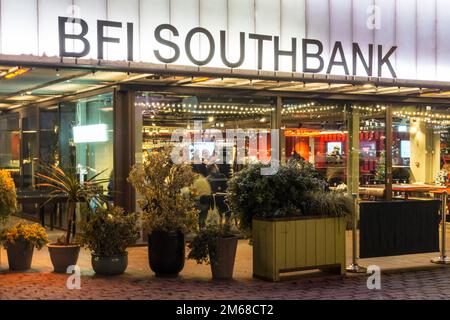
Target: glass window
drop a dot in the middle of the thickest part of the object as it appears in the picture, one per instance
(372, 144)
(49, 127)
(87, 135)
(163, 114)
(10, 146)
(30, 153)
(317, 133)
(420, 143)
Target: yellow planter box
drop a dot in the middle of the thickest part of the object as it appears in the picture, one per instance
(296, 244)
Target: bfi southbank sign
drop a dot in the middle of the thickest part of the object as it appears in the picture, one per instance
(382, 38)
(376, 59)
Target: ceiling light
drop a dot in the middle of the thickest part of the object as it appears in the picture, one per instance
(15, 72)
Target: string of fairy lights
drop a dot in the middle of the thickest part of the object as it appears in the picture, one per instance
(310, 109)
(208, 109)
(433, 118)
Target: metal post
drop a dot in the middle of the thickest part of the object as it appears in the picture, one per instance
(443, 259)
(354, 267)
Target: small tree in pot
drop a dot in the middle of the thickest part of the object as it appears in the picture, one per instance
(168, 207)
(66, 184)
(20, 241)
(108, 234)
(216, 245)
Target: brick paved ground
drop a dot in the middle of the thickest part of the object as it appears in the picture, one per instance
(420, 280)
(195, 283)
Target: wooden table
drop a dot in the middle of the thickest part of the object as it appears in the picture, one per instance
(411, 188)
(406, 189)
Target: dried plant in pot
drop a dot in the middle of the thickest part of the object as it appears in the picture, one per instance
(65, 183)
(168, 209)
(107, 234)
(19, 241)
(216, 244)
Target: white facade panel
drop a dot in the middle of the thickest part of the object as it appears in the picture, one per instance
(426, 39)
(185, 15)
(241, 18)
(443, 43)
(318, 26)
(341, 30)
(147, 28)
(91, 11)
(418, 28)
(385, 31)
(118, 12)
(406, 36)
(48, 25)
(214, 18)
(292, 26)
(19, 27)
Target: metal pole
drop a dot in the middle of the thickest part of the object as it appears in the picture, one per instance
(443, 259)
(354, 267)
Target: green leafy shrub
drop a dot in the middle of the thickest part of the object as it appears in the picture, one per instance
(283, 194)
(109, 232)
(297, 189)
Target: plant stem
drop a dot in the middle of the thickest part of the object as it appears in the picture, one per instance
(70, 215)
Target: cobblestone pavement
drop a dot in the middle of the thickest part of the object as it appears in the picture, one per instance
(429, 284)
(194, 282)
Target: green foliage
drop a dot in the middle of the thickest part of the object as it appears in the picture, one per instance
(380, 171)
(251, 194)
(167, 197)
(204, 246)
(33, 234)
(335, 204)
(66, 183)
(7, 196)
(109, 231)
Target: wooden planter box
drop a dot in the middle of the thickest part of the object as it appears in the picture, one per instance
(296, 244)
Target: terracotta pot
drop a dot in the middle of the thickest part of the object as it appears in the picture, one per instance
(166, 253)
(110, 266)
(63, 256)
(20, 255)
(223, 265)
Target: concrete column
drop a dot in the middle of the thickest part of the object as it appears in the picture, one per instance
(276, 123)
(388, 154)
(418, 150)
(353, 152)
(124, 148)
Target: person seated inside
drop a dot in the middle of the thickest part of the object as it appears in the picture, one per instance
(216, 179)
(218, 183)
(204, 200)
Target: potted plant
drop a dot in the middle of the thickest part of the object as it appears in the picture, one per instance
(20, 241)
(8, 202)
(294, 221)
(64, 252)
(215, 244)
(168, 209)
(108, 233)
